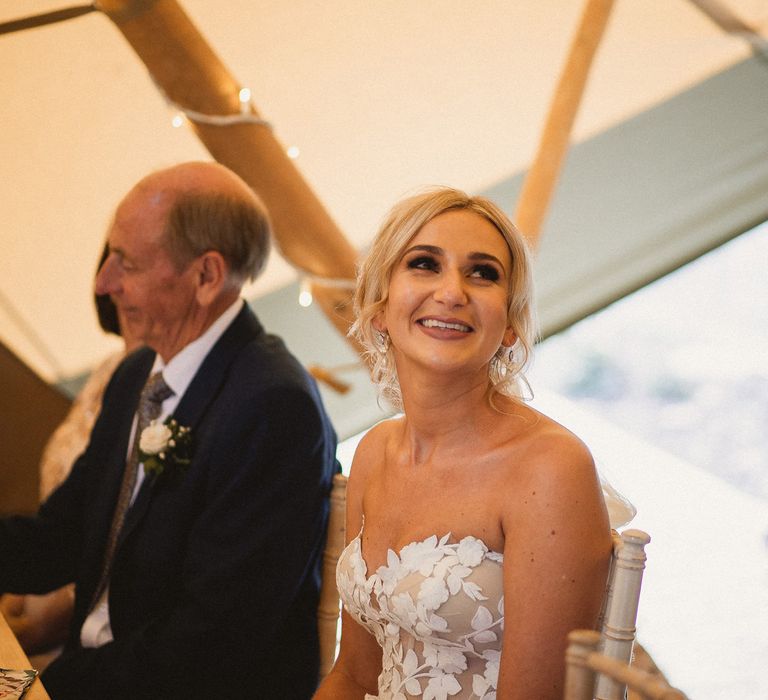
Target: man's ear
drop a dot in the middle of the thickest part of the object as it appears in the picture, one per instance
(211, 272)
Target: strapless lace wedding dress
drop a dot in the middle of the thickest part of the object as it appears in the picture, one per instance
(437, 610)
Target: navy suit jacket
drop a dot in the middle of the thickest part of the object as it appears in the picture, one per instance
(215, 580)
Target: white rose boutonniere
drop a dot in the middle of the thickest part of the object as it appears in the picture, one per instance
(165, 447)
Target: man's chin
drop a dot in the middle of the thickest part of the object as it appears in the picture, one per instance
(135, 329)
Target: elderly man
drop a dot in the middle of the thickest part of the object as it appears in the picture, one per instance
(193, 524)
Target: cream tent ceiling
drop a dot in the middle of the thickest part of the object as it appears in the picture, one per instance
(378, 97)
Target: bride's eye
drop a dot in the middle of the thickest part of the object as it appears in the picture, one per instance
(422, 262)
(485, 272)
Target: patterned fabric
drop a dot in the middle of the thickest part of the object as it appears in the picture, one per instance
(437, 610)
(71, 437)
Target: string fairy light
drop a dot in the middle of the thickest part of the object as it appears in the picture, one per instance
(305, 293)
(244, 116)
(305, 286)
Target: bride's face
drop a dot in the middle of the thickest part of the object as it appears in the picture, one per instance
(447, 302)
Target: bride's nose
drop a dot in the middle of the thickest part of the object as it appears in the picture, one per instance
(450, 289)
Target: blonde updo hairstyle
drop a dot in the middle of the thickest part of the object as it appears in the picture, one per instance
(506, 369)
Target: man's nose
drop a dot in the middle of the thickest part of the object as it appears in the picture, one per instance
(107, 277)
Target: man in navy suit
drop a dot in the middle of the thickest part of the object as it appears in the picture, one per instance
(212, 587)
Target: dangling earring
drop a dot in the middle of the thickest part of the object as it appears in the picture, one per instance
(380, 369)
(501, 368)
(382, 343)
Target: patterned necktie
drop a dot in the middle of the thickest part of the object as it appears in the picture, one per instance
(153, 394)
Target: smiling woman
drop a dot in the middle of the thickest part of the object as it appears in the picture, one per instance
(397, 238)
(477, 533)
(455, 257)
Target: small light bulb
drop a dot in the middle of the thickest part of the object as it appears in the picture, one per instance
(293, 152)
(305, 293)
(177, 121)
(245, 95)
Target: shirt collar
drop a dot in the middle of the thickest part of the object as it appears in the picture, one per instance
(183, 366)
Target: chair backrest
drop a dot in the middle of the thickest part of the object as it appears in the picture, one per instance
(328, 608)
(622, 597)
(585, 663)
(616, 624)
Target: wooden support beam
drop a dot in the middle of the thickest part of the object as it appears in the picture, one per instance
(185, 67)
(543, 174)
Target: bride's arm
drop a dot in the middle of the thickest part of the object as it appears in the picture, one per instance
(556, 555)
(358, 666)
(356, 671)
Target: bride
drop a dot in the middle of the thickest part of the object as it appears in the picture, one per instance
(477, 532)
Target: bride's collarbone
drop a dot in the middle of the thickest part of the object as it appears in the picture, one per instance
(497, 447)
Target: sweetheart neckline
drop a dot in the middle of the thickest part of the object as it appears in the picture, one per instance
(495, 556)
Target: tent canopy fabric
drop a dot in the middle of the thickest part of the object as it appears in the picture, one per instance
(379, 99)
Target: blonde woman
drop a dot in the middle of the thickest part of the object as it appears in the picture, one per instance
(477, 532)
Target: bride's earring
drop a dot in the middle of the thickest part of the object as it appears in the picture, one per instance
(382, 343)
(502, 364)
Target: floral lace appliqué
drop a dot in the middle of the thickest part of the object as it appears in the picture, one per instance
(437, 610)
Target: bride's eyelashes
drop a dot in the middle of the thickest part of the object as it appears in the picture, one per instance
(486, 272)
(423, 262)
(483, 271)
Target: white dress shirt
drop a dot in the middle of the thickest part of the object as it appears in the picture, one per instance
(178, 375)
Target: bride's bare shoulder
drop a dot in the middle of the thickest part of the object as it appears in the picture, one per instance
(545, 441)
(546, 456)
(554, 485)
(381, 433)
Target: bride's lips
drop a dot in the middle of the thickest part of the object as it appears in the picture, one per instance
(445, 325)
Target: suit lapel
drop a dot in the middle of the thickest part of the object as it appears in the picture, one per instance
(210, 377)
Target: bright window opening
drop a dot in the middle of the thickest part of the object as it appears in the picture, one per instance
(669, 387)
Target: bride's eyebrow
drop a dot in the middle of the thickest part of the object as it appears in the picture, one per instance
(486, 256)
(435, 250)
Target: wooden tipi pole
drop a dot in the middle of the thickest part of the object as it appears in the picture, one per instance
(542, 176)
(185, 67)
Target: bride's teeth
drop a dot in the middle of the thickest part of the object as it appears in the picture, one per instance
(432, 323)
